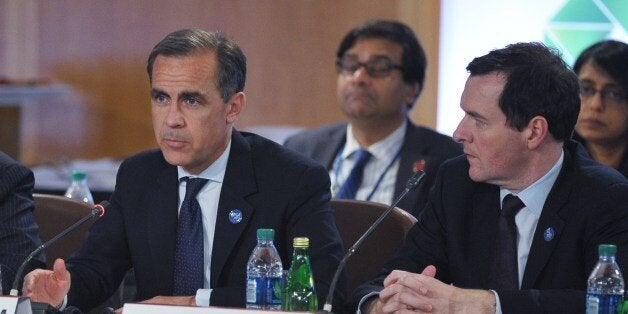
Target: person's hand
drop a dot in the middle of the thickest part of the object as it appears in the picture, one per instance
(48, 286)
(408, 292)
(398, 298)
(169, 300)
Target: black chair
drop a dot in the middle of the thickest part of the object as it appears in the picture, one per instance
(353, 218)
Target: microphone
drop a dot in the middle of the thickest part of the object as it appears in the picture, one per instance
(98, 210)
(412, 183)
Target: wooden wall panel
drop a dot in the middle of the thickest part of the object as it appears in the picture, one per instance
(100, 49)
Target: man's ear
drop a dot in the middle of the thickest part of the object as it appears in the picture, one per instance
(536, 131)
(414, 89)
(235, 105)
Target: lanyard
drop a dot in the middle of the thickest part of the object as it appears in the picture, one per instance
(338, 166)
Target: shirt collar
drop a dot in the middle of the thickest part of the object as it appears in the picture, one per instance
(379, 150)
(534, 196)
(215, 172)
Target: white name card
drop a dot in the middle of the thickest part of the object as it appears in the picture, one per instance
(15, 305)
(138, 308)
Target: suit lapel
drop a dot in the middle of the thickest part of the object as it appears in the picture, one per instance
(480, 239)
(162, 207)
(239, 182)
(541, 250)
(330, 147)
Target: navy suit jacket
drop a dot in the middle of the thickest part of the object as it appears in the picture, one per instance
(272, 186)
(19, 234)
(587, 206)
(323, 144)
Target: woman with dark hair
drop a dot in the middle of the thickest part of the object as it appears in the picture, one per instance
(603, 121)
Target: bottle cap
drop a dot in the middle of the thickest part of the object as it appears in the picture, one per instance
(78, 175)
(301, 242)
(265, 234)
(607, 250)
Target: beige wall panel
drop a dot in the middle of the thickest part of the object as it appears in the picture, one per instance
(100, 49)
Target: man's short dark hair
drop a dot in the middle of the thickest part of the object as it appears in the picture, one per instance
(231, 72)
(610, 56)
(413, 58)
(539, 83)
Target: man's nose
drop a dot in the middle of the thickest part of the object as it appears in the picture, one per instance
(459, 134)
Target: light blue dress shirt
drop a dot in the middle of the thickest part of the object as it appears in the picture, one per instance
(383, 153)
(208, 198)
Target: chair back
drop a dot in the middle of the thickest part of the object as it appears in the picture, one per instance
(53, 213)
(353, 218)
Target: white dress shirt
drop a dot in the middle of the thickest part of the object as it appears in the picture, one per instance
(208, 198)
(533, 197)
(380, 164)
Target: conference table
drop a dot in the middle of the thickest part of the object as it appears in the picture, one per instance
(18, 305)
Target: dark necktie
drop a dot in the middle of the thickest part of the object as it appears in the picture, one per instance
(505, 271)
(354, 180)
(189, 266)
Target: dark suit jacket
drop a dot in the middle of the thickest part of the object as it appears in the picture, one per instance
(323, 145)
(587, 206)
(19, 234)
(272, 186)
(623, 164)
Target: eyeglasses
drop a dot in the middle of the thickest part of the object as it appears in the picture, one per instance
(608, 95)
(378, 66)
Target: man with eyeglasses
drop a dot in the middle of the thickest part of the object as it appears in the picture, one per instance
(381, 70)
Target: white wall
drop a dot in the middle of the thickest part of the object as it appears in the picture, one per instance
(471, 28)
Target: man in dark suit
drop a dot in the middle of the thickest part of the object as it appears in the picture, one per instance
(521, 104)
(242, 181)
(19, 234)
(381, 69)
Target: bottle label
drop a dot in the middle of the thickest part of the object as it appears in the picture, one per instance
(263, 292)
(273, 291)
(253, 294)
(603, 303)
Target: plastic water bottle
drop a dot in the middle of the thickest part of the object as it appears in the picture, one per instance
(79, 190)
(300, 291)
(263, 274)
(605, 288)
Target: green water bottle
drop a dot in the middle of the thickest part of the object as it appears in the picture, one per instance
(300, 294)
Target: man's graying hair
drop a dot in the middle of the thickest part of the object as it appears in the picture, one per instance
(231, 72)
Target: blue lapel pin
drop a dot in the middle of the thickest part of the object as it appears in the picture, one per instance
(549, 233)
(235, 216)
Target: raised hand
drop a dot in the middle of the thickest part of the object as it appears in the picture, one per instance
(49, 286)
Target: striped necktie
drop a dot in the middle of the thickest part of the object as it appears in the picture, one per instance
(354, 180)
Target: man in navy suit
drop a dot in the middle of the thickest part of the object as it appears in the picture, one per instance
(248, 182)
(19, 234)
(381, 70)
(521, 104)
